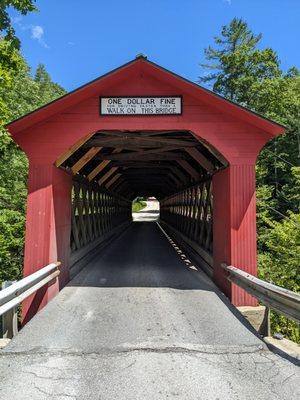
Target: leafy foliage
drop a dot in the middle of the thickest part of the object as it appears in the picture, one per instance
(252, 77)
(6, 28)
(24, 95)
(138, 204)
(237, 62)
(20, 93)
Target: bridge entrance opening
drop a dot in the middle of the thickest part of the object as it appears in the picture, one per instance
(141, 130)
(111, 168)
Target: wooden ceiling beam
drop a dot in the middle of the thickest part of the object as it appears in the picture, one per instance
(61, 159)
(107, 175)
(140, 164)
(138, 147)
(201, 159)
(161, 182)
(85, 159)
(183, 178)
(119, 183)
(101, 166)
(139, 133)
(177, 181)
(141, 156)
(112, 180)
(142, 141)
(153, 166)
(189, 169)
(138, 172)
(154, 174)
(213, 151)
(98, 169)
(156, 169)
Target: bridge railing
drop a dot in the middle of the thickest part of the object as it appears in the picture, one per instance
(13, 295)
(282, 300)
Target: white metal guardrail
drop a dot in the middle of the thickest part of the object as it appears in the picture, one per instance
(13, 295)
(275, 297)
(17, 292)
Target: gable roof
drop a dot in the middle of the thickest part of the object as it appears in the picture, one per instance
(92, 88)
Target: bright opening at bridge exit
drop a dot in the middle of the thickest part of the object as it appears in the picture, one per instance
(145, 209)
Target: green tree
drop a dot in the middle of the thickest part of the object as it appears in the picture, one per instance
(10, 60)
(237, 63)
(252, 77)
(23, 95)
(47, 88)
(280, 264)
(7, 31)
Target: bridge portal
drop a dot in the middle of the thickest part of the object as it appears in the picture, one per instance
(141, 130)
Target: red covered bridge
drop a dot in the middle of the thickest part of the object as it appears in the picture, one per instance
(89, 157)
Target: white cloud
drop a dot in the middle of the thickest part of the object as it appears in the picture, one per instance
(228, 2)
(37, 33)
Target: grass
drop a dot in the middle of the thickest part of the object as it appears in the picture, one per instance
(138, 205)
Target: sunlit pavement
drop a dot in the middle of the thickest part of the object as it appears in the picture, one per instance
(139, 323)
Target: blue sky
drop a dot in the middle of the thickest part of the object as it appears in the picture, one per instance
(78, 41)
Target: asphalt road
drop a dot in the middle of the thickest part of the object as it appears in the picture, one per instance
(140, 323)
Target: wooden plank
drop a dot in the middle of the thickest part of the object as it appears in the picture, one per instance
(139, 133)
(107, 175)
(161, 182)
(175, 179)
(142, 141)
(119, 184)
(72, 149)
(178, 173)
(140, 156)
(151, 166)
(153, 174)
(203, 161)
(152, 151)
(85, 159)
(98, 169)
(213, 151)
(146, 172)
(117, 176)
(187, 167)
(101, 166)
(136, 147)
(141, 164)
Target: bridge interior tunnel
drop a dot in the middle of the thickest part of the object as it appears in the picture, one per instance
(133, 164)
(111, 168)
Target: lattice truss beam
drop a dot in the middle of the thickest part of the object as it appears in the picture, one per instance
(95, 212)
(145, 163)
(190, 213)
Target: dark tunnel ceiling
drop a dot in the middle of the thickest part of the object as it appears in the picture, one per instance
(144, 163)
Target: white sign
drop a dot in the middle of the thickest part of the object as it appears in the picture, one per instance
(166, 105)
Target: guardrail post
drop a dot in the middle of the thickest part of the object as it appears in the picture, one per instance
(267, 323)
(10, 318)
